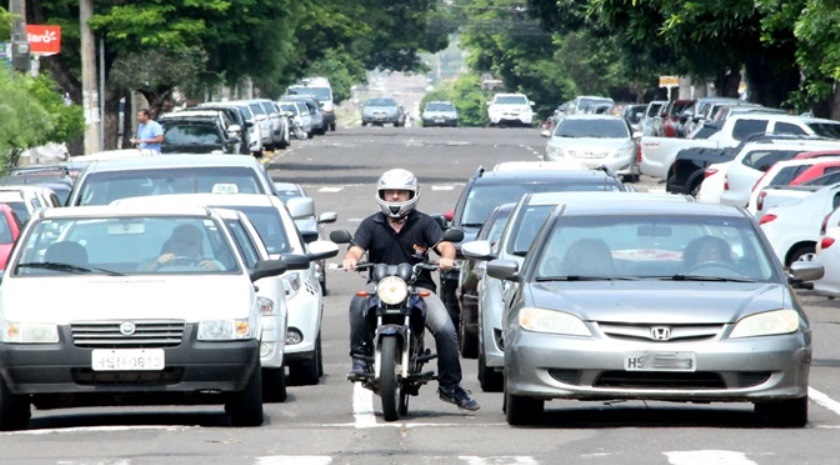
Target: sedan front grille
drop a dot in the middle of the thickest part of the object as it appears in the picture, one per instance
(145, 334)
(660, 380)
(661, 333)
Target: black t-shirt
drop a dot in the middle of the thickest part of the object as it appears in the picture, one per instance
(384, 245)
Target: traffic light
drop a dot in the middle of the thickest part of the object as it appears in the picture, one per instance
(20, 56)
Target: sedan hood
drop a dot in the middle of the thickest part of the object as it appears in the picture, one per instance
(76, 298)
(659, 302)
(192, 148)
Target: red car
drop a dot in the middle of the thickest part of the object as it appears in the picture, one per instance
(9, 232)
(672, 117)
(816, 170)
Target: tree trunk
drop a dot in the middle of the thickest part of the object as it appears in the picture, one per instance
(835, 103)
(772, 75)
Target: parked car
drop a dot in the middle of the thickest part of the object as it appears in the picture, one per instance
(595, 140)
(320, 88)
(251, 128)
(650, 123)
(826, 255)
(10, 228)
(197, 136)
(731, 330)
(319, 126)
(588, 104)
(510, 109)
(299, 114)
(440, 113)
(181, 333)
(383, 110)
(238, 125)
(789, 173)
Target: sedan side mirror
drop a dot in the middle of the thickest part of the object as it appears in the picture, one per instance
(266, 268)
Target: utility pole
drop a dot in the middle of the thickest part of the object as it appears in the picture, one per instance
(20, 41)
(90, 94)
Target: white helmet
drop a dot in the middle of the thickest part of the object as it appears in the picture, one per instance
(401, 180)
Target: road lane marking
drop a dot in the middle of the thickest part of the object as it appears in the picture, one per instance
(331, 189)
(294, 460)
(97, 429)
(499, 460)
(824, 400)
(705, 457)
(363, 407)
(442, 188)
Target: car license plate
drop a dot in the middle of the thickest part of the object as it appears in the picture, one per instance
(660, 361)
(127, 359)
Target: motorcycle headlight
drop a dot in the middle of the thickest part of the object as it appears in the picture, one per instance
(552, 321)
(392, 290)
(225, 330)
(30, 333)
(292, 282)
(767, 324)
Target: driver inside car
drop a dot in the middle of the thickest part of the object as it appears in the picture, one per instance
(707, 249)
(184, 248)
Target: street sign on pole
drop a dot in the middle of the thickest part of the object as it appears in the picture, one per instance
(44, 40)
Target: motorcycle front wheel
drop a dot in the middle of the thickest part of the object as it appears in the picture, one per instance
(389, 390)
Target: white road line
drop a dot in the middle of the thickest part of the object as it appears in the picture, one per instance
(294, 460)
(824, 400)
(363, 407)
(499, 460)
(95, 462)
(331, 189)
(705, 457)
(97, 429)
(443, 188)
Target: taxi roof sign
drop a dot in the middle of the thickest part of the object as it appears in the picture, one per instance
(225, 188)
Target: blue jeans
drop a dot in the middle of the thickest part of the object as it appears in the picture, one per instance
(437, 321)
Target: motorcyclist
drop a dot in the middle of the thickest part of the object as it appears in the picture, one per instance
(401, 234)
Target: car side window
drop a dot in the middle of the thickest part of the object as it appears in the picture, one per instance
(745, 127)
(244, 244)
(787, 128)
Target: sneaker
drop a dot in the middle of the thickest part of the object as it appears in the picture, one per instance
(358, 370)
(458, 396)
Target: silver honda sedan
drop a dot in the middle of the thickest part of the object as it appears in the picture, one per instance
(664, 301)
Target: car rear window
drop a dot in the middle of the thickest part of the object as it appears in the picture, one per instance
(597, 128)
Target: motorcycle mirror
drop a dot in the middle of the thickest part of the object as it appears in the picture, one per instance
(453, 235)
(341, 236)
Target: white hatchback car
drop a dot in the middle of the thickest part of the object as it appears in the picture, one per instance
(124, 322)
(304, 299)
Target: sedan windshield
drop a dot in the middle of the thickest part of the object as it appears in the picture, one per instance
(597, 128)
(440, 107)
(193, 134)
(680, 248)
(381, 102)
(511, 100)
(126, 246)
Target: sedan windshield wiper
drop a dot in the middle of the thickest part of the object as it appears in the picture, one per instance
(472, 225)
(68, 268)
(585, 278)
(693, 277)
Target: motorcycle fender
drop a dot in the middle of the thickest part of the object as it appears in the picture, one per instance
(390, 330)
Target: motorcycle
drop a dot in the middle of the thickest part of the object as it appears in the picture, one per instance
(395, 313)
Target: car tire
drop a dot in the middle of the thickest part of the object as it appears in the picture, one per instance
(489, 379)
(520, 411)
(246, 407)
(274, 384)
(15, 410)
(789, 413)
(800, 251)
(323, 281)
(332, 127)
(306, 373)
(467, 342)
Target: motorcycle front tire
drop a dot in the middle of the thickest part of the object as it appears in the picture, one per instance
(389, 385)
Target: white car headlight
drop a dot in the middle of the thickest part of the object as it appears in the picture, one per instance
(225, 330)
(554, 152)
(30, 333)
(541, 320)
(265, 305)
(292, 282)
(392, 290)
(767, 324)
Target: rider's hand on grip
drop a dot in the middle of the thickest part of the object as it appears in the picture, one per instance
(349, 264)
(446, 264)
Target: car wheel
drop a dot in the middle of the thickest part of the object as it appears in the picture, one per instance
(521, 410)
(306, 373)
(323, 280)
(695, 191)
(274, 384)
(790, 413)
(246, 408)
(489, 379)
(467, 342)
(803, 252)
(332, 127)
(15, 410)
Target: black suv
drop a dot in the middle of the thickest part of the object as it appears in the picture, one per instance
(486, 190)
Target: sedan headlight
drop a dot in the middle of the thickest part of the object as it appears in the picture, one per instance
(265, 305)
(554, 152)
(292, 282)
(767, 324)
(392, 290)
(225, 330)
(30, 333)
(541, 320)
